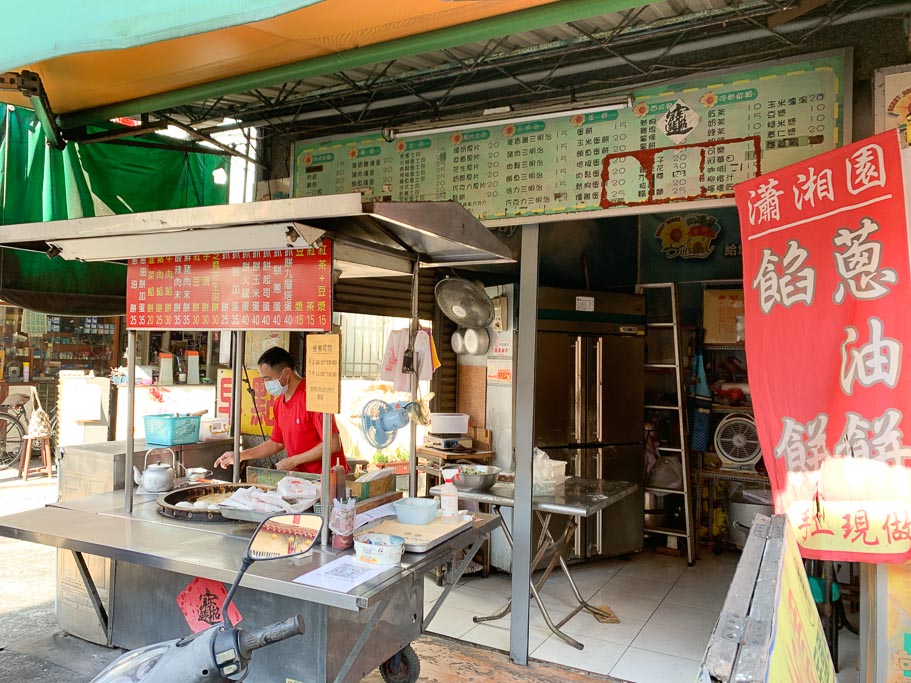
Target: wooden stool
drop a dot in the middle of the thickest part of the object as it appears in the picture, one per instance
(25, 458)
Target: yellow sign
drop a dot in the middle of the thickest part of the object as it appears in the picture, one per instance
(799, 650)
(250, 420)
(324, 373)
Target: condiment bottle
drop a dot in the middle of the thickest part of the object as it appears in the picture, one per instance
(449, 497)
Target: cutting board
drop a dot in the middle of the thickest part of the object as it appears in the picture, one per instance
(420, 538)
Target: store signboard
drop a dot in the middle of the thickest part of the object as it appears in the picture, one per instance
(288, 289)
(678, 141)
(687, 246)
(826, 275)
(892, 97)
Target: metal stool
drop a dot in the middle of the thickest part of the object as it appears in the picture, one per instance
(47, 462)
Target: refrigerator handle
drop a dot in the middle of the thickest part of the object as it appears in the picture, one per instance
(599, 426)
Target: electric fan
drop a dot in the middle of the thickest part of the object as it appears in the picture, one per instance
(380, 421)
(737, 442)
(464, 303)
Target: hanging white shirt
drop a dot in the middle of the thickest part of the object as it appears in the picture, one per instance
(396, 345)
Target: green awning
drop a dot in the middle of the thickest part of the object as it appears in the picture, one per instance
(39, 183)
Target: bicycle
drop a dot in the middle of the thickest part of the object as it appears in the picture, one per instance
(13, 428)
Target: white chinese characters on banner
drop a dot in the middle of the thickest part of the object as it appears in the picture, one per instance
(879, 360)
(803, 446)
(812, 186)
(866, 169)
(858, 263)
(790, 284)
(766, 207)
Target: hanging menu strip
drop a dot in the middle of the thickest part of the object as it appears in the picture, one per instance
(692, 140)
(257, 290)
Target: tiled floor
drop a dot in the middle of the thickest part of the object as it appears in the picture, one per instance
(667, 612)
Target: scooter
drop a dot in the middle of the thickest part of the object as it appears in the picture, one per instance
(222, 653)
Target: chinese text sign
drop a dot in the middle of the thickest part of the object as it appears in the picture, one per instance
(324, 373)
(256, 415)
(679, 141)
(253, 290)
(826, 276)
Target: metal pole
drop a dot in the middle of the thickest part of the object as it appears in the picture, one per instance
(524, 443)
(325, 496)
(415, 325)
(131, 408)
(237, 397)
(210, 355)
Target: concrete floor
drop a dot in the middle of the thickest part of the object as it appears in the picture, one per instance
(32, 647)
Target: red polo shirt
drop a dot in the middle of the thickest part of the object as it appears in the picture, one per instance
(299, 429)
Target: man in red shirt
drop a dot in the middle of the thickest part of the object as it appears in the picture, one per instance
(297, 430)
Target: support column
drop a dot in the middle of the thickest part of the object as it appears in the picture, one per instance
(131, 411)
(526, 344)
(325, 495)
(237, 397)
(415, 326)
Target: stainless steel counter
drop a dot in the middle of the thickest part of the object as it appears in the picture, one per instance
(98, 526)
(577, 497)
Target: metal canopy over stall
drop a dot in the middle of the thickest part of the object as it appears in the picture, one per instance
(370, 239)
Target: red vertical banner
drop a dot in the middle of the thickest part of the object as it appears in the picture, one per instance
(828, 336)
(283, 289)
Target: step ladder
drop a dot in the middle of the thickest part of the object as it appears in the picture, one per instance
(664, 369)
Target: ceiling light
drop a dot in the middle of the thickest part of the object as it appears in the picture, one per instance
(537, 114)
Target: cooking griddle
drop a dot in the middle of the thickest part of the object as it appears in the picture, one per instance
(167, 502)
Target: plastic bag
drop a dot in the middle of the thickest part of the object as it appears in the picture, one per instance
(295, 487)
(544, 482)
(667, 473)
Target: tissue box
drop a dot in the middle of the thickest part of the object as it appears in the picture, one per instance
(213, 428)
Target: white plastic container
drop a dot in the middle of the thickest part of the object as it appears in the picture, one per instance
(448, 423)
(449, 498)
(375, 548)
(559, 469)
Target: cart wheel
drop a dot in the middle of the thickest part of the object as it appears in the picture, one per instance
(402, 667)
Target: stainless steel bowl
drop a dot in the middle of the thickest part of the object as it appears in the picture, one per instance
(475, 477)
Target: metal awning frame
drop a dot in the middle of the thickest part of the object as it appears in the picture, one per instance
(391, 239)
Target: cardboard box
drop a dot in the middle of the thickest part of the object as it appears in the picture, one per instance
(720, 308)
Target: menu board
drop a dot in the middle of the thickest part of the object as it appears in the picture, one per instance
(682, 141)
(257, 290)
(324, 373)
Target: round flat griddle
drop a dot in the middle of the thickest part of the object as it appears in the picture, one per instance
(167, 502)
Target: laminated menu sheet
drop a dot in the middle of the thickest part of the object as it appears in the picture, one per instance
(342, 575)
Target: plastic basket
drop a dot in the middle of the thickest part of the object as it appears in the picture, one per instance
(172, 430)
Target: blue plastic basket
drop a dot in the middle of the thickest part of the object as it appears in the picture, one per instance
(172, 430)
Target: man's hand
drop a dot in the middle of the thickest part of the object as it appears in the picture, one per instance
(286, 464)
(225, 460)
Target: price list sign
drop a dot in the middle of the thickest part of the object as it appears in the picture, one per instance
(677, 142)
(324, 373)
(256, 290)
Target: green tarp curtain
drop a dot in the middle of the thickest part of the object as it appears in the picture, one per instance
(40, 183)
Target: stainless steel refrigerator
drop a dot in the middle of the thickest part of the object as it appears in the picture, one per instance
(589, 403)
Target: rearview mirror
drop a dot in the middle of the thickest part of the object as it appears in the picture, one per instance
(284, 535)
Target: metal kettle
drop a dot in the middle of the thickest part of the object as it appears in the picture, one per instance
(159, 476)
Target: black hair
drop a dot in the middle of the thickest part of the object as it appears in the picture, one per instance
(276, 357)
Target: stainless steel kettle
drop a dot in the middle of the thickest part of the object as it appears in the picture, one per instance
(159, 476)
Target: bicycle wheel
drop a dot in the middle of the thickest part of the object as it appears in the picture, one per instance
(11, 436)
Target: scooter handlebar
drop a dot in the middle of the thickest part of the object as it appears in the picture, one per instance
(253, 640)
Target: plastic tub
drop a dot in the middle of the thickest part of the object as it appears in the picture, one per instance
(374, 548)
(448, 423)
(415, 510)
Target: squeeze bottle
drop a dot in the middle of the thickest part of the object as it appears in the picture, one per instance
(449, 497)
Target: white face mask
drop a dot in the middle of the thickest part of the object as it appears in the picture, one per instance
(275, 387)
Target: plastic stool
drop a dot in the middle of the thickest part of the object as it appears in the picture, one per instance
(47, 463)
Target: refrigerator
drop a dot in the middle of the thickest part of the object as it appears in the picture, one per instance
(589, 400)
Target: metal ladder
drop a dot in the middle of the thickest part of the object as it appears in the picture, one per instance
(663, 334)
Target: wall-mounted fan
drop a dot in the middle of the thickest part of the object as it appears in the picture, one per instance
(737, 442)
(468, 306)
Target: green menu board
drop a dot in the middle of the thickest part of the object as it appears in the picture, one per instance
(682, 141)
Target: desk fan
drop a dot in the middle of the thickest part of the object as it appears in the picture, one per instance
(737, 442)
(380, 421)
